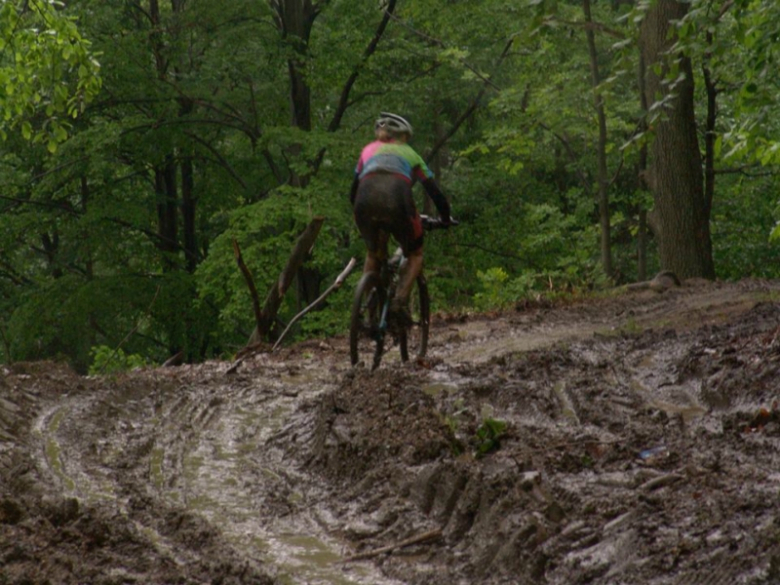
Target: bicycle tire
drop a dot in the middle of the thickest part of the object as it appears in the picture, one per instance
(365, 337)
(414, 339)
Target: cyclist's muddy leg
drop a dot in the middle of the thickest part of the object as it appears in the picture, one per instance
(371, 264)
(410, 269)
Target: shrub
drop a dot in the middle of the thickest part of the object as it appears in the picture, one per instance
(110, 361)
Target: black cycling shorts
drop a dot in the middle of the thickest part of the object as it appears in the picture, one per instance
(384, 205)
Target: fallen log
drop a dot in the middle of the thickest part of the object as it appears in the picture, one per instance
(420, 538)
(661, 282)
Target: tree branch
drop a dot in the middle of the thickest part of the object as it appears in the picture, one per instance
(594, 26)
(470, 110)
(441, 44)
(250, 282)
(336, 284)
(335, 122)
(572, 155)
(224, 163)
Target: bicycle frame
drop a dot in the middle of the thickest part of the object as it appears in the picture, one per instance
(388, 276)
(371, 310)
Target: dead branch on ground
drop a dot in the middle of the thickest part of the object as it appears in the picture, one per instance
(265, 317)
(420, 538)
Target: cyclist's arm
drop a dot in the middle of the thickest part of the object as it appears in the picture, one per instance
(438, 198)
(422, 173)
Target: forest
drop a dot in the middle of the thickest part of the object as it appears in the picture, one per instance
(583, 144)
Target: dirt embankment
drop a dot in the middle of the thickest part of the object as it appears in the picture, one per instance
(632, 439)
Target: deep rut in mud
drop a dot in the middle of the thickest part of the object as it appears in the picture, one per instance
(632, 439)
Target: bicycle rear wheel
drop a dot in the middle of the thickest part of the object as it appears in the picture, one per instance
(414, 339)
(365, 337)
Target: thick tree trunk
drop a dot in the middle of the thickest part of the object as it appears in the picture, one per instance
(295, 19)
(680, 218)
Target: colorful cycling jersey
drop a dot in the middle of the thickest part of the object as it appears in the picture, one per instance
(392, 157)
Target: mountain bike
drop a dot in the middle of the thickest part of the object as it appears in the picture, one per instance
(371, 320)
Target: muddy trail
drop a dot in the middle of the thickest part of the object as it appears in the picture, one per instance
(622, 440)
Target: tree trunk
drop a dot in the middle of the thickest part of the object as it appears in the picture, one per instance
(435, 165)
(709, 133)
(164, 174)
(601, 154)
(50, 244)
(167, 199)
(680, 218)
(188, 202)
(85, 200)
(295, 19)
(641, 246)
(188, 207)
(642, 184)
(308, 286)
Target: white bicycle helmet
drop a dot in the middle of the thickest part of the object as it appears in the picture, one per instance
(394, 123)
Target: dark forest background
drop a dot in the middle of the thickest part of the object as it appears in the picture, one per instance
(582, 144)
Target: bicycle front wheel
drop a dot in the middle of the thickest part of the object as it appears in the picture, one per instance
(365, 337)
(414, 339)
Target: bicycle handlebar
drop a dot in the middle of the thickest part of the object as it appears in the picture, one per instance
(434, 223)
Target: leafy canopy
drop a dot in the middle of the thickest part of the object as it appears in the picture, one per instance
(47, 72)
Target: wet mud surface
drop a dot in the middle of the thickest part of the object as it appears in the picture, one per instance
(624, 440)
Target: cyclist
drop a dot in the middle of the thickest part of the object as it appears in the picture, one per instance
(382, 202)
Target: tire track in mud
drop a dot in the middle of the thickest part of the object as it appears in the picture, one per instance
(653, 502)
(91, 445)
(199, 444)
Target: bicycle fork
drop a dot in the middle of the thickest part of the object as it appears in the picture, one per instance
(383, 318)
